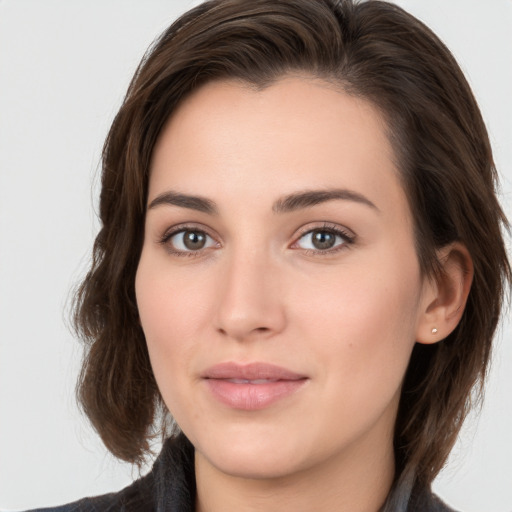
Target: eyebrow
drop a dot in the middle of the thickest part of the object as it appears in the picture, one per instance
(308, 198)
(286, 204)
(201, 204)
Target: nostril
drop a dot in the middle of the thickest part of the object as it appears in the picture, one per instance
(245, 333)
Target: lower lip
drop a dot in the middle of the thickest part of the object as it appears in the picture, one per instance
(252, 397)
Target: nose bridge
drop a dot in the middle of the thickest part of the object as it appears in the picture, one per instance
(250, 302)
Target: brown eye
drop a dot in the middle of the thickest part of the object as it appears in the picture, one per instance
(189, 240)
(323, 240)
(194, 240)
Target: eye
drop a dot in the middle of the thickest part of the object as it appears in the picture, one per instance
(188, 241)
(323, 240)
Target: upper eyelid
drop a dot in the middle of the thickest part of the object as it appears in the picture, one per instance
(186, 226)
(302, 231)
(166, 237)
(327, 226)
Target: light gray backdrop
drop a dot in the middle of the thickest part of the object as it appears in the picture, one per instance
(64, 67)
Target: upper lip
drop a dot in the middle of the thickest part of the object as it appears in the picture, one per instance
(250, 371)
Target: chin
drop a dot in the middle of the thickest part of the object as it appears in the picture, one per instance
(252, 456)
(255, 466)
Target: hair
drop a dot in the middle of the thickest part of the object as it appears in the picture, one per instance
(372, 50)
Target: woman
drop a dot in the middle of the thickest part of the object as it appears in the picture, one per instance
(300, 259)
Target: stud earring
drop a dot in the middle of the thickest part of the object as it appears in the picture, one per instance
(434, 331)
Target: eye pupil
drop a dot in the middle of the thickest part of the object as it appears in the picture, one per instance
(194, 240)
(323, 239)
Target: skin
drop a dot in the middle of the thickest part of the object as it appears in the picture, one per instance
(260, 290)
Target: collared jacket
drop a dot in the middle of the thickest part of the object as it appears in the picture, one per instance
(170, 487)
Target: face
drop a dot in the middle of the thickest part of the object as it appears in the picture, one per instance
(278, 287)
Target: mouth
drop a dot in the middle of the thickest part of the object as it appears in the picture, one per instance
(253, 386)
(248, 381)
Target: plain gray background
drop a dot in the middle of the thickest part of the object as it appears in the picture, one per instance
(64, 68)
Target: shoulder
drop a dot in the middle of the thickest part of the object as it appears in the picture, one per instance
(136, 497)
(429, 502)
(405, 497)
(440, 506)
(170, 486)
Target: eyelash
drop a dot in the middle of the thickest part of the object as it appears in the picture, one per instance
(348, 239)
(165, 240)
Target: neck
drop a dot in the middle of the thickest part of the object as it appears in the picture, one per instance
(358, 481)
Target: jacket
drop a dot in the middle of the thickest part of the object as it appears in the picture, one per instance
(170, 487)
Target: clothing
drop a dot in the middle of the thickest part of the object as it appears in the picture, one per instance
(171, 487)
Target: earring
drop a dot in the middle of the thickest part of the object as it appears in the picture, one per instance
(434, 331)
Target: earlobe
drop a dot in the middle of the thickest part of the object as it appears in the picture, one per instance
(446, 295)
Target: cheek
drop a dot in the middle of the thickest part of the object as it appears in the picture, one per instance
(170, 303)
(166, 311)
(357, 300)
(361, 337)
(174, 308)
(363, 322)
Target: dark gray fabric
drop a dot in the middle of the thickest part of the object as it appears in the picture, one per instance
(170, 487)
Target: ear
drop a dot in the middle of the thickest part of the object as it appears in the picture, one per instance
(444, 297)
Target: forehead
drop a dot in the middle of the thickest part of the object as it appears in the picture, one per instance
(228, 140)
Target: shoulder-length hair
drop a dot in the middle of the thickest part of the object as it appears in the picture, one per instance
(372, 50)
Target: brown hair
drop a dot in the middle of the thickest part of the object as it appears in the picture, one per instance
(373, 50)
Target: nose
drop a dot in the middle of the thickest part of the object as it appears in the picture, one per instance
(250, 300)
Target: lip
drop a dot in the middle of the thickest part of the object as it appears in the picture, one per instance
(251, 386)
